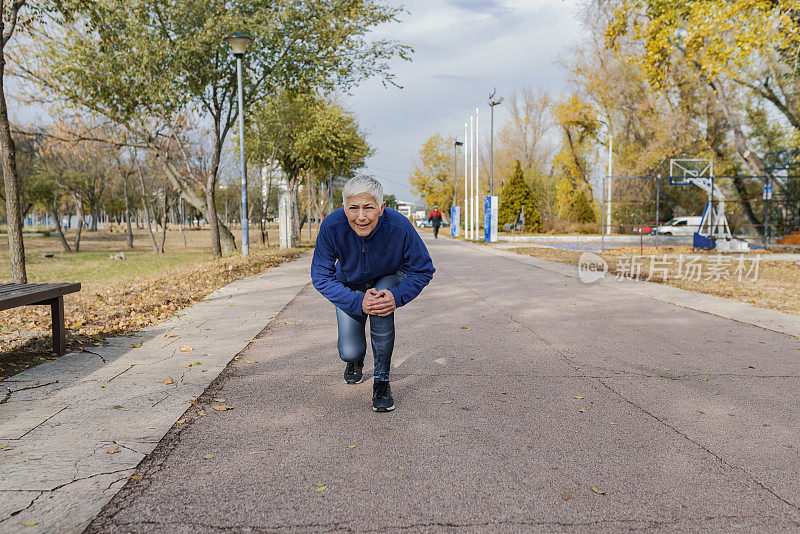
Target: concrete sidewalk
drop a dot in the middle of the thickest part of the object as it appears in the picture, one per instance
(526, 400)
(73, 430)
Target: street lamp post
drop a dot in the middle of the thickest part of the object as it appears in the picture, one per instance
(239, 42)
(493, 101)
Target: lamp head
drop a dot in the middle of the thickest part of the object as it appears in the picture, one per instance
(459, 143)
(239, 42)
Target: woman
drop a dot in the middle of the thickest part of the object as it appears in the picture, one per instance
(369, 260)
(436, 219)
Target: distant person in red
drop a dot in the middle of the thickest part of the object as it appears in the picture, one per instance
(436, 219)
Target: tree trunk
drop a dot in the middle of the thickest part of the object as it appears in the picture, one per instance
(225, 237)
(212, 219)
(79, 215)
(94, 208)
(146, 209)
(127, 211)
(16, 247)
(164, 223)
(753, 161)
(59, 230)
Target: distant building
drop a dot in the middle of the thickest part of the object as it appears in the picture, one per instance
(404, 208)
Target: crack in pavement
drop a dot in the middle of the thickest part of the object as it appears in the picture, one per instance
(17, 512)
(12, 391)
(87, 351)
(130, 366)
(719, 458)
(702, 447)
(43, 422)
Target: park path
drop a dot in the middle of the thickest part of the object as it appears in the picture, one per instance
(74, 429)
(525, 400)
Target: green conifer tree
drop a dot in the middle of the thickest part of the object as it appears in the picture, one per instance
(516, 194)
(580, 208)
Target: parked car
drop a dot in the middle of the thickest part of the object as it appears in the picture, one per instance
(646, 228)
(686, 226)
(425, 223)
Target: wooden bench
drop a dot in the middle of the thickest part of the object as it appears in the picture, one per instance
(15, 295)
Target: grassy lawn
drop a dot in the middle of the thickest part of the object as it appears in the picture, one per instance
(776, 286)
(121, 296)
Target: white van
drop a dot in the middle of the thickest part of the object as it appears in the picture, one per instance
(679, 226)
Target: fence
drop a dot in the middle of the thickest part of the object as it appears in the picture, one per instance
(757, 207)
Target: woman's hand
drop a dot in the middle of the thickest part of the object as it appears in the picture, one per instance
(380, 303)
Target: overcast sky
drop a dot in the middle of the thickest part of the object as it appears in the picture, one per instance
(463, 48)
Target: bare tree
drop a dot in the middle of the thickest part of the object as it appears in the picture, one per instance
(8, 23)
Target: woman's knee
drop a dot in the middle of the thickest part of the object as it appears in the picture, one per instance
(352, 351)
(389, 281)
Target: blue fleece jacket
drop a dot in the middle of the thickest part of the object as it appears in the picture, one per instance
(342, 258)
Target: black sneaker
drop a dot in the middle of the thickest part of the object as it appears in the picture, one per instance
(353, 372)
(382, 400)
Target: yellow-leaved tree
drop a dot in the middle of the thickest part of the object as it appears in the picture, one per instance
(432, 177)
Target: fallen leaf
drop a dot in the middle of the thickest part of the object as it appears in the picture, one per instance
(193, 402)
(716, 393)
(102, 385)
(117, 406)
(197, 363)
(201, 413)
(112, 449)
(577, 397)
(321, 488)
(251, 361)
(186, 348)
(169, 380)
(171, 334)
(597, 491)
(3, 447)
(189, 365)
(704, 379)
(576, 367)
(180, 421)
(566, 496)
(351, 446)
(319, 415)
(29, 523)
(582, 410)
(612, 423)
(465, 328)
(222, 407)
(232, 304)
(401, 468)
(750, 367)
(447, 402)
(135, 477)
(219, 400)
(666, 368)
(319, 484)
(208, 456)
(306, 381)
(437, 390)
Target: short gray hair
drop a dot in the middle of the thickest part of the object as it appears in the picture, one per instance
(362, 184)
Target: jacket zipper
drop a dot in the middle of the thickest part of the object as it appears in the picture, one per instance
(364, 256)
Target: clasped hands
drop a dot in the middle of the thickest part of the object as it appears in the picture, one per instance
(380, 303)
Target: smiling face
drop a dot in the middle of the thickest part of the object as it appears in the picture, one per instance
(362, 213)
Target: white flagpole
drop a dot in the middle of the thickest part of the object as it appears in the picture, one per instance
(466, 173)
(477, 175)
(469, 200)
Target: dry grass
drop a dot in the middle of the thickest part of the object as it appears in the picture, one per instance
(777, 285)
(119, 297)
